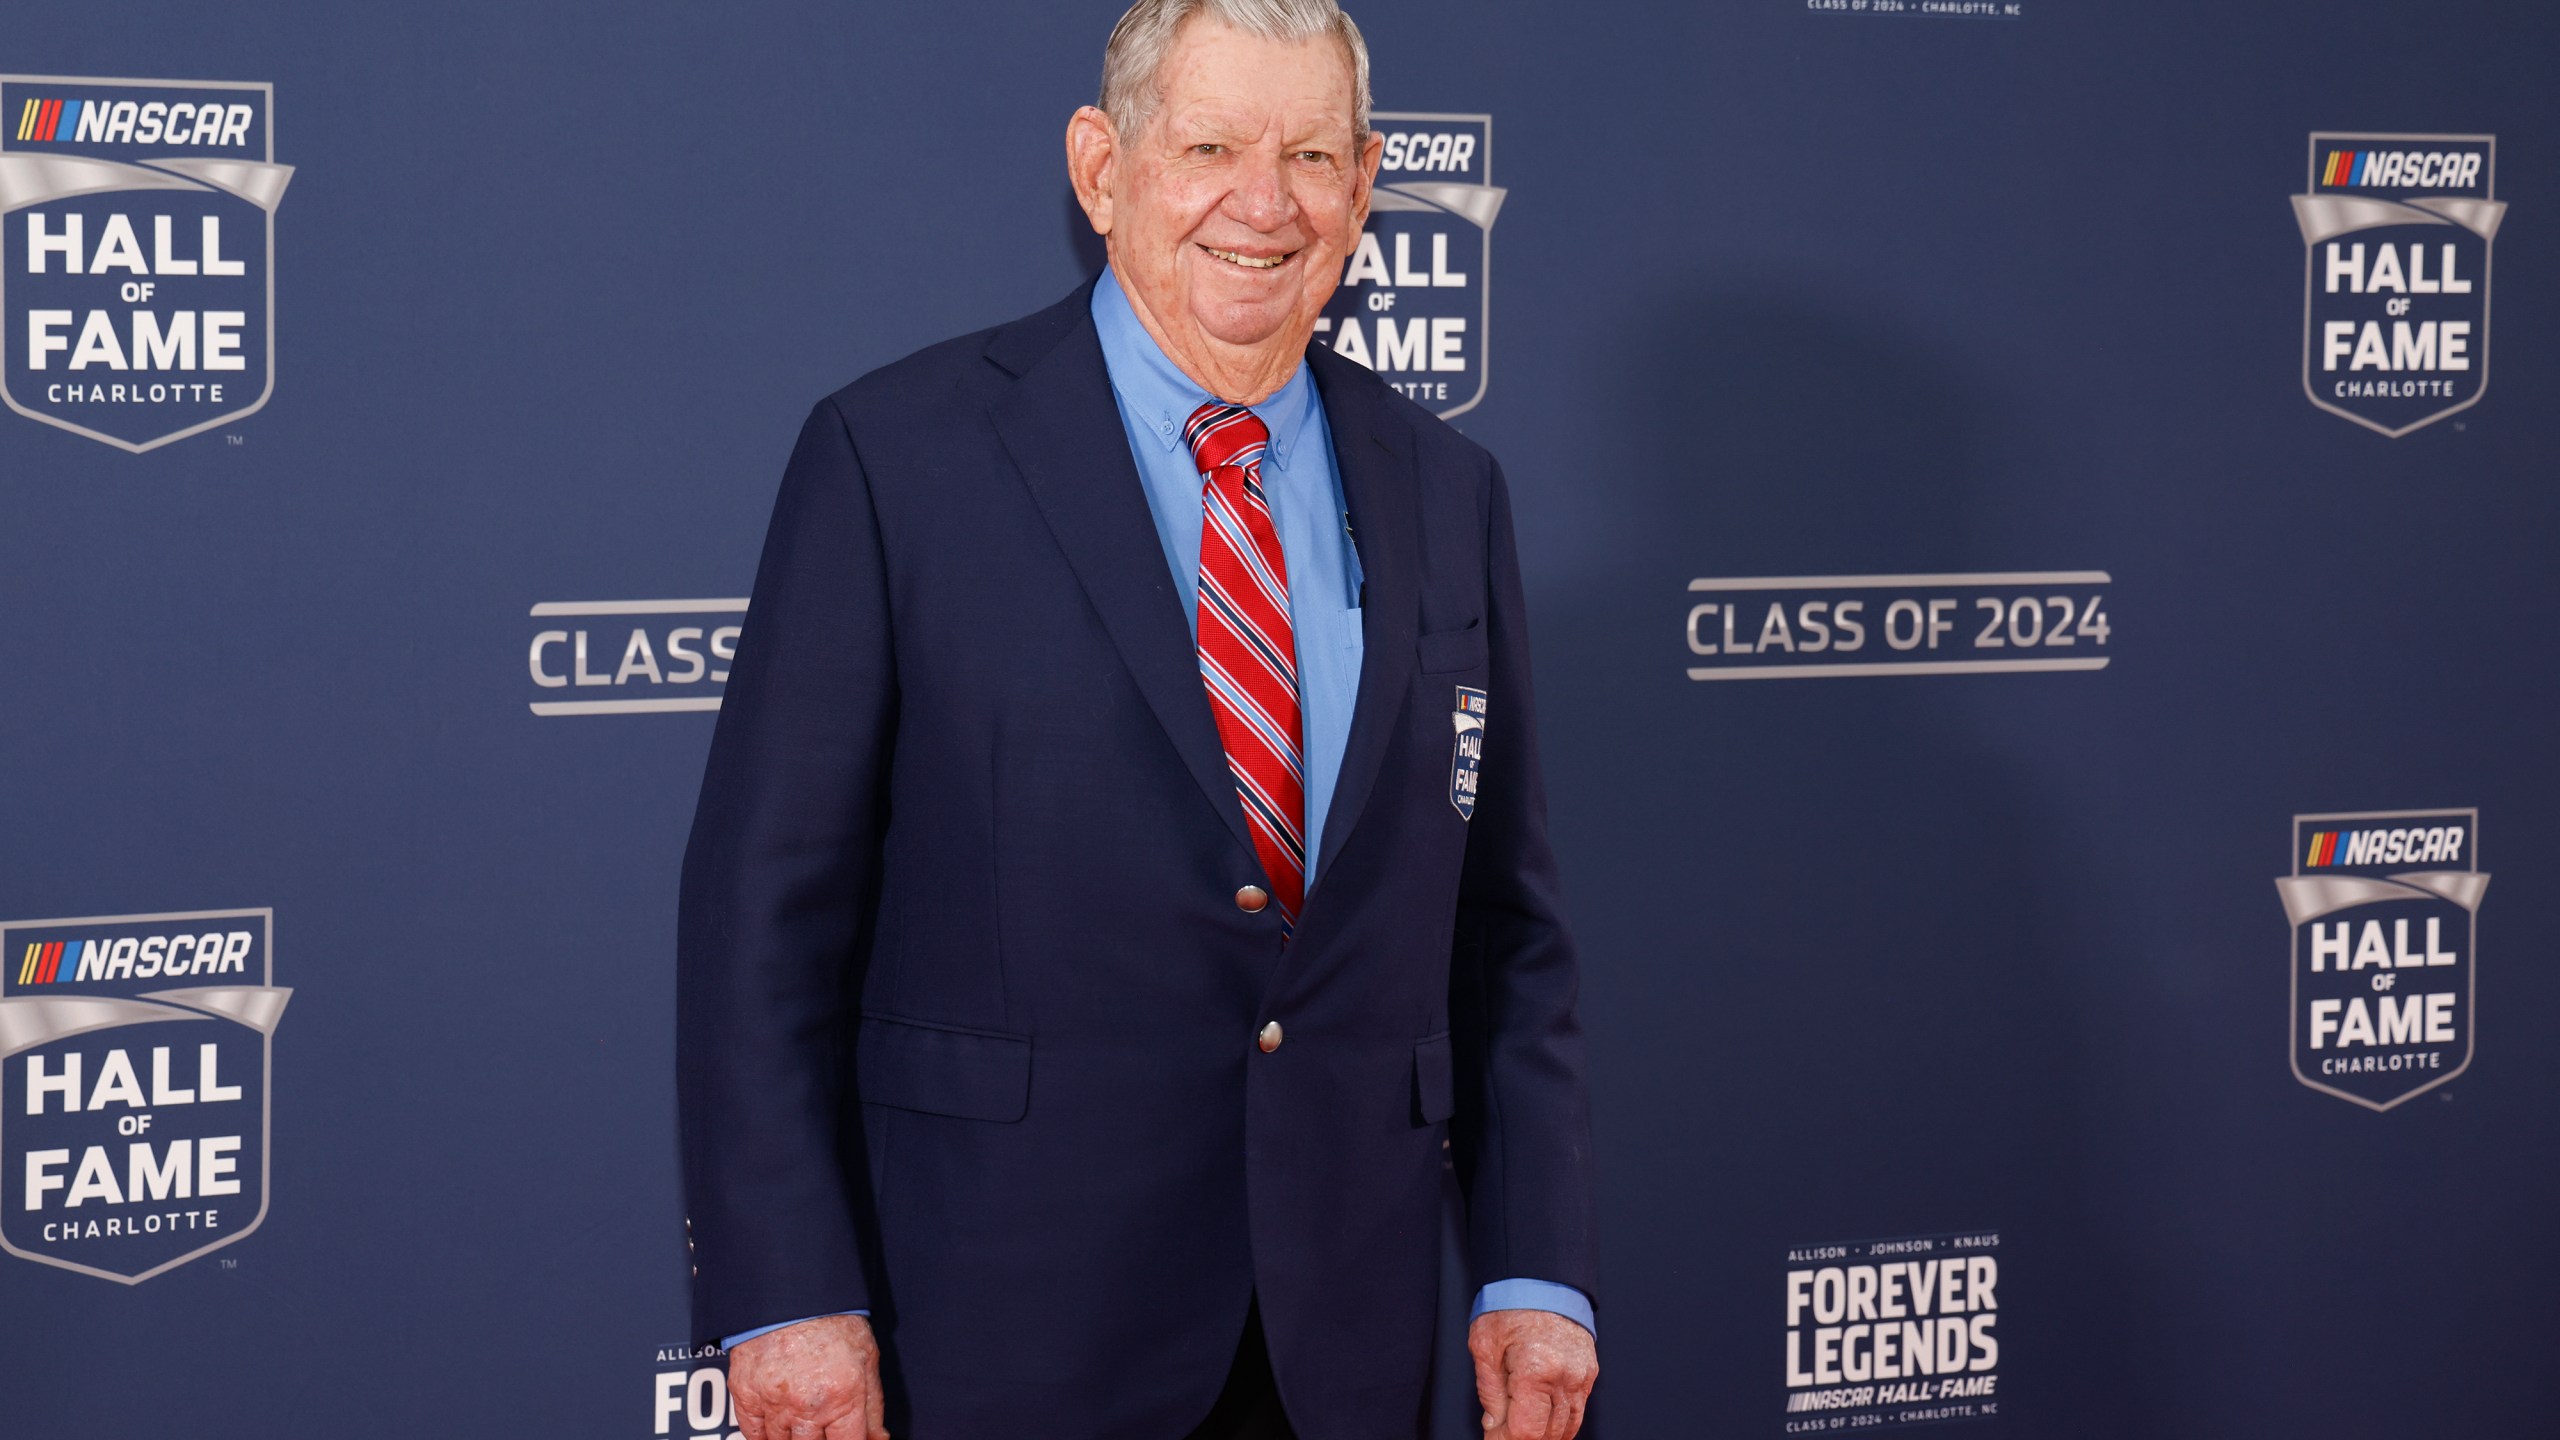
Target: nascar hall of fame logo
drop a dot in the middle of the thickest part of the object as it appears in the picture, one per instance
(2385, 910)
(134, 1087)
(1466, 752)
(631, 657)
(1893, 1332)
(2395, 311)
(689, 1394)
(1415, 299)
(137, 254)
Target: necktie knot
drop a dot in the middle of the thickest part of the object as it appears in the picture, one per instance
(1221, 435)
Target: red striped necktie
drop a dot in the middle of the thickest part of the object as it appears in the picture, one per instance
(1248, 651)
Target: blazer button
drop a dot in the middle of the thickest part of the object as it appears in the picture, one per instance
(1252, 898)
(1269, 1039)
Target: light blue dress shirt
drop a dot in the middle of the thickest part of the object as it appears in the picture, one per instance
(1304, 490)
(1305, 495)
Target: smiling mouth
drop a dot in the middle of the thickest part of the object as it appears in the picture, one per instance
(1251, 262)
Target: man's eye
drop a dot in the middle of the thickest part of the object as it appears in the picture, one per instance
(1205, 148)
(1317, 156)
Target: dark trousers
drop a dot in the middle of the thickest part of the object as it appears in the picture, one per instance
(1249, 1407)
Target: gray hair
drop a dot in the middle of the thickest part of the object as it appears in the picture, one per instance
(1139, 43)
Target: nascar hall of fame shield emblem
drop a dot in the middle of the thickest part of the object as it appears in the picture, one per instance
(1415, 298)
(2396, 230)
(134, 1087)
(2384, 908)
(137, 261)
(1466, 750)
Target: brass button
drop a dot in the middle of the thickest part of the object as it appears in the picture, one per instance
(1252, 898)
(1269, 1039)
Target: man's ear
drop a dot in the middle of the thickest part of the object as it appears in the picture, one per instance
(1092, 144)
(1367, 177)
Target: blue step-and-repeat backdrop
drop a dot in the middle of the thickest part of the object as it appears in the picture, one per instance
(2037, 594)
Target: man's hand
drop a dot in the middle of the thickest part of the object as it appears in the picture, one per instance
(1533, 1373)
(817, 1380)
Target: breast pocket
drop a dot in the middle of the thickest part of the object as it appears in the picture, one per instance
(1447, 651)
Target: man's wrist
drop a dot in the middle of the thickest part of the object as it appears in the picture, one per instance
(1547, 1295)
(732, 1342)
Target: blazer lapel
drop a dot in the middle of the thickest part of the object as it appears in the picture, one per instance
(1372, 448)
(1061, 425)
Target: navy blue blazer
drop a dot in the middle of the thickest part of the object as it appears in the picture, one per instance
(967, 1006)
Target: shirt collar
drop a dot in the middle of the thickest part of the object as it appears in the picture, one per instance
(1162, 398)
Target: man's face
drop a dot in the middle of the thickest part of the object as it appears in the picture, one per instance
(1232, 209)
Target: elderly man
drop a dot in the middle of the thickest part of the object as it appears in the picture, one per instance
(1121, 872)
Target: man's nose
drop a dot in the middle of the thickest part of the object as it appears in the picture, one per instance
(1261, 198)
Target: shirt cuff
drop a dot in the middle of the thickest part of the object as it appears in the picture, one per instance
(732, 1342)
(1544, 1295)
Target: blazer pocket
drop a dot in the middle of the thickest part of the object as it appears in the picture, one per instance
(1435, 1080)
(966, 1074)
(1452, 649)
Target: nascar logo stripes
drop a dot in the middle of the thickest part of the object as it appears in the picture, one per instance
(42, 118)
(43, 962)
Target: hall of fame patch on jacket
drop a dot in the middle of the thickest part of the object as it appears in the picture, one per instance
(1466, 750)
